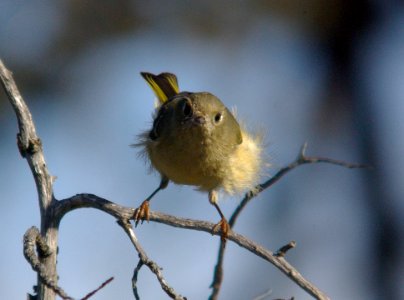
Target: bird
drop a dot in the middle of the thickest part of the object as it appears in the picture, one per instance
(196, 140)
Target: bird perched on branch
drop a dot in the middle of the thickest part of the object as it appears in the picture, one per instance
(195, 140)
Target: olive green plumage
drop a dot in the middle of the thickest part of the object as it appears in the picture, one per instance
(195, 140)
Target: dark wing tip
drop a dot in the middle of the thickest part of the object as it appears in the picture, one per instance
(145, 75)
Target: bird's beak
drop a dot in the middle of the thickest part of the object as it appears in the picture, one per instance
(198, 120)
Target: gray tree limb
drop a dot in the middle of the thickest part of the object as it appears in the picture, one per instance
(30, 148)
(53, 210)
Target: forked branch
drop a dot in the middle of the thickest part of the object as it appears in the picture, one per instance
(301, 159)
(144, 260)
(52, 211)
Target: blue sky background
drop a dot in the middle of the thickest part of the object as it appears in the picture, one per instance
(284, 68)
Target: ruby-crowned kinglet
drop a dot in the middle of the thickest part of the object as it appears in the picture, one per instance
(195, 140)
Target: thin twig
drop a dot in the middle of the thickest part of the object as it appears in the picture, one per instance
(86, 297)
(300, 160)
(264, 295)
(282, 250)
(149, 263)
(218, 272)
(134, 279)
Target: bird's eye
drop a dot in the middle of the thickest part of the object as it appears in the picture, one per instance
(186, 108)
(218, 117)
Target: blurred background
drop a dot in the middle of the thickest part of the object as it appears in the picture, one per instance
(327, 72)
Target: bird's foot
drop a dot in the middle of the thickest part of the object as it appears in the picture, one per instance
(142, 213)
(224, 227)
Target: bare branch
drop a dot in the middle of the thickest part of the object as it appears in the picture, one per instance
(218, 272)
(134, 279)
(33, 244)
(146, 261)
(282, 250)
(64, 206)
(28, 142)
(86, 297)
(33, 241)
(52, 211)
(30, 147)
(300, 160)
(124, 213)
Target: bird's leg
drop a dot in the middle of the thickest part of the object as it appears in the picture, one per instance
(223, 224)
(142, 212)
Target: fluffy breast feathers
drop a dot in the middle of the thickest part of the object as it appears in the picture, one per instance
(192, 164)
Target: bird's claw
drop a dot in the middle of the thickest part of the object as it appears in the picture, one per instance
(142, 213)
(224, 227)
